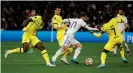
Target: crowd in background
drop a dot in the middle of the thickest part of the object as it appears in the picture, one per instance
(14, 13)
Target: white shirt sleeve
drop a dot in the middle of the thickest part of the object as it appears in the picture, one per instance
(126, 22)
(83, 24)
(66, 21)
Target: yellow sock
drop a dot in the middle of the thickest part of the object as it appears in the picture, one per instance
(70, 50)
(45, 56)
(67, 52)
(122, 53)
(103, 57)
(16, 50)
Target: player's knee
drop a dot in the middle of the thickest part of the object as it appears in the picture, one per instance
(64, 48)
(106, 51)
(78, 45)
(39, 46)
(25, 46)
(70, 50)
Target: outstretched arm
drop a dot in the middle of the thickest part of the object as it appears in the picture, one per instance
(90, 28)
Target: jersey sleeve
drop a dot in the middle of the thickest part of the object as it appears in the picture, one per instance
(83, 24)
(54, 21)
(66, 21)
(103, 28)
(126, 21)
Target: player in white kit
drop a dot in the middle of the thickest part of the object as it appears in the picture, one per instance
(122, 27)
(69, 41)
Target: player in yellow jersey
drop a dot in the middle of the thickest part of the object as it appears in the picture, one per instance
(32, 13)
(115, 38)
(31, 28)
(57, 20)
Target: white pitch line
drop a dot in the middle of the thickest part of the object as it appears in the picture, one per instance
(43, 60)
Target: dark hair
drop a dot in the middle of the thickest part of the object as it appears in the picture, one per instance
(57, 7)
(82, 14)
(120, 8)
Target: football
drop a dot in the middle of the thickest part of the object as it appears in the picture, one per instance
(89, 61)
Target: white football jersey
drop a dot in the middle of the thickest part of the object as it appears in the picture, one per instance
(74, 25)
(121, 26)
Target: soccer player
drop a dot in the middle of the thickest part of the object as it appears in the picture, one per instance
(31, 27)
(56, 21)
(122, 27)
(69, 41)
(32, 13)
(115, 38)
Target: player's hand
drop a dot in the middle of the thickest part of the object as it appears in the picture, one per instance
(122, 31)
(92, 32)
(58, 28)
(96, 29)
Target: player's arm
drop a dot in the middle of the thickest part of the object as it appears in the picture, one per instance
(103, 29)
(126, 25)
(25, 23)
(55, 23)
(65, 22)
(83, 24)
(90, 28)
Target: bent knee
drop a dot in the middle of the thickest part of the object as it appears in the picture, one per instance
(106, 51)
(78, 45)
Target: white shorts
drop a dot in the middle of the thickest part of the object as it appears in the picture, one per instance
(69, 40)
(123, 36)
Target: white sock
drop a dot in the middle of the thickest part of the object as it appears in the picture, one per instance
(115, 50)
(127, 46)
(77, 52)
(58, 52)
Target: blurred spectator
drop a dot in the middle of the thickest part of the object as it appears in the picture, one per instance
(14, 13)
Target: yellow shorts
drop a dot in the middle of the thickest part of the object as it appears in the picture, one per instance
(60, 40)
(31, 39)
(112, 43)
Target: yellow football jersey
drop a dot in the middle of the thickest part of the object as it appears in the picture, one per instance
(34, 26)
(111, 28)
(57, 20)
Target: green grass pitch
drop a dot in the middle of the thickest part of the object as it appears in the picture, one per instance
(34, 63)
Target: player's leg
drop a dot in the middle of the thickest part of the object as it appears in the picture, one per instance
(30, 50)
(108, 47)
(25, 46)
(65, 53)
(57, 54)
(78, 48)
(103, 58)
(127, 48)
(65, 45)
(43, 50)
(124, 60)
(18, 50)
(115, 51)
(37, 44)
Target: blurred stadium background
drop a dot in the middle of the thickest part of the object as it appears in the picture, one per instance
(13, 13)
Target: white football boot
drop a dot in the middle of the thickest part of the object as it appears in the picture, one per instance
(64, 60)
(7, 53)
